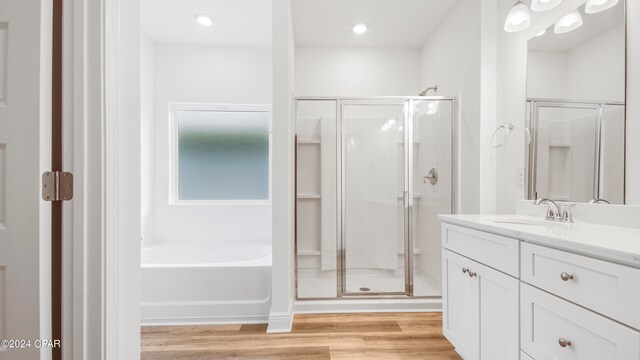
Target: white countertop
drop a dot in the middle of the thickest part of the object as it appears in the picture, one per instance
(612, 243)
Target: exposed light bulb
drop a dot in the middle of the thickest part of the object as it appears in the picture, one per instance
(204, 20)
(596, 6)
(541, 33)
(360, 28)
(544, 5)
(569, 22)
(519, 18)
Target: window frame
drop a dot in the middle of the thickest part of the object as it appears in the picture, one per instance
(174, 108)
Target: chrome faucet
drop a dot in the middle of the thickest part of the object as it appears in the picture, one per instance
(599, 201)
(567, 215)
(553, 212)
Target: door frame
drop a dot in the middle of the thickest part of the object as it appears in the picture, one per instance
(102, 119)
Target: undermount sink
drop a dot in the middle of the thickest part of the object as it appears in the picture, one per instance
(517, 221)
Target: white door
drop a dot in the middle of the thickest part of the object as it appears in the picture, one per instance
(25, 152)
(499, 303)
(460, 305)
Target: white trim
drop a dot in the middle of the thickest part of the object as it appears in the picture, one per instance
(87, 59)
(120, 143)
(204, 320)
(280, 323)
(174, 108)
(205, 312)
(366, 305)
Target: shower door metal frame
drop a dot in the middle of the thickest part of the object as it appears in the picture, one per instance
(342, 245)
(408, 101)
(532, 125)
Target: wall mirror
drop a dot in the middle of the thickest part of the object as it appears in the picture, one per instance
(576, 109)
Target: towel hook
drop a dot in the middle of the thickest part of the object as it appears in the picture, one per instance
(508, 127)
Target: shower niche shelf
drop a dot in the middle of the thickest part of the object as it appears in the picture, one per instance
(308, 142)
(309, 196)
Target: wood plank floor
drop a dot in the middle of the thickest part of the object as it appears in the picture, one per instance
(385, 336)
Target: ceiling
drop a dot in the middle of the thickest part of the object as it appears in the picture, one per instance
(593, 26)
(391, 23)
(235, 22)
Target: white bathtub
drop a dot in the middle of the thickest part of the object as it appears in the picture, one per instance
(206, 283)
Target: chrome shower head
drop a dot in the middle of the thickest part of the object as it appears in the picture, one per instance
(434, 88)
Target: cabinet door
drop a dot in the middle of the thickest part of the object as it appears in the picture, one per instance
(460, 305)
(499, 313)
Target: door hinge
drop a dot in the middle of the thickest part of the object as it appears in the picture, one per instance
(57, 186)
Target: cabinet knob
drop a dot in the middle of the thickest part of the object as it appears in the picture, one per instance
(564, 342)
(472, 274)
(465, 270)
(566, 276)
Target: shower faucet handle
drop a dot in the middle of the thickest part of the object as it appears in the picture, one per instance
(432, 177)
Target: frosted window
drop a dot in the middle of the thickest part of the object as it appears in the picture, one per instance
(223, 155)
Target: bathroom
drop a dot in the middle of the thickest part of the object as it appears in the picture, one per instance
(277, 184)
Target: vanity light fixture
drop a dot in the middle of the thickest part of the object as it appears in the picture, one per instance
(544, 5)
(519, 18)
(204, 20)
(596, 6)
(360, 28)
(569, 22)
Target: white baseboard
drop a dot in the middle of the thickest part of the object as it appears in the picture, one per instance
(280, 323)
(367, 305)
(214, 320)
(205, 312)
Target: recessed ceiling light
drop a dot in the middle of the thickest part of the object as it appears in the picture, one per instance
(360, 28)
(204, 20)
(541, 33)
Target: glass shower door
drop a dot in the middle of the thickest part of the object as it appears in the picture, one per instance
(374, 193)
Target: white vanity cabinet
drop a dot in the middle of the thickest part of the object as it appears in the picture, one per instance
(480, 303)
(505, 298)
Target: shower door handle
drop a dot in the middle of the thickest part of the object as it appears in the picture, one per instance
(405, 198)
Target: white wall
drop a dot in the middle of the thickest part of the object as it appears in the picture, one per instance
(547, 74)
(280, 317)
(357, 72)
(596, 68)
(451, 59)
(205, 74)
(593, 70)
(147, 132)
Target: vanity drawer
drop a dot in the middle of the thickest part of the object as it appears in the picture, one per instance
(499, 252)
(555, 329)
(610, 289)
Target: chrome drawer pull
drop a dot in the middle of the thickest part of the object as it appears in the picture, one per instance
(564, 342)
(465, 270)
(566, 277)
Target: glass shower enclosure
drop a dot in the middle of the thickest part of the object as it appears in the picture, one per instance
(372, 174)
